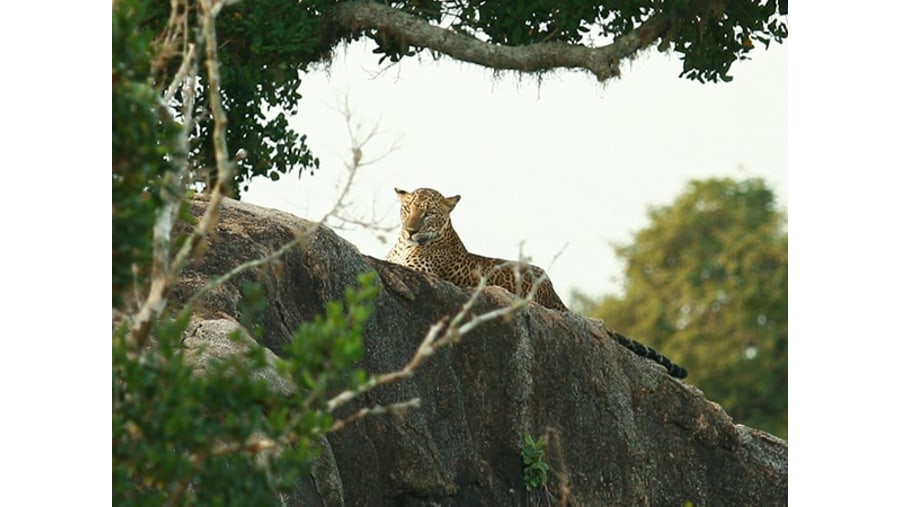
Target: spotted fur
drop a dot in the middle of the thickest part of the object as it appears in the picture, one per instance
(429, 243)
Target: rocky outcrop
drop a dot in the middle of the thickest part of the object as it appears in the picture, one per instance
(621, 431)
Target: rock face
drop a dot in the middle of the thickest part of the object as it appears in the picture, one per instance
(621, 431)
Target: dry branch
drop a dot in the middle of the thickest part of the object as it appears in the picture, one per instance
(164, 273)
(441, 334)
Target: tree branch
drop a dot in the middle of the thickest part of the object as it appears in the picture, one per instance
(445, 332)
(165, 274)
(602, 62)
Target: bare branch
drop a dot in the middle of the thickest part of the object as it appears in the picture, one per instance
(440, 335)
(394, 408)
(174, 34)
(425, 350)
(602, 62)
(163, 279)
(360, 137)
(357, 144)
(181, 76)
(244, 267)
(165, 276)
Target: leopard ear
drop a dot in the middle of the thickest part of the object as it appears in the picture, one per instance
(400, 193)
(451, 202)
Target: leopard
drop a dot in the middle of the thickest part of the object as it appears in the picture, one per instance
(429, 243)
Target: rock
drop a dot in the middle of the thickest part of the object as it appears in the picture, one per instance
(620, 430)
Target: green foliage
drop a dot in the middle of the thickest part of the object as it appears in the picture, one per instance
(172, 426)
(266, 47)
(709, 35)
(535, 468)
(332, 343)
(187, 432)
(141, 138)
(706, 284)
(251, 307)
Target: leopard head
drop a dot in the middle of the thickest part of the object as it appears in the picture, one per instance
(424, 214)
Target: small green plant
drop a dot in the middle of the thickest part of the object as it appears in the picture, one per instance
(535, 471)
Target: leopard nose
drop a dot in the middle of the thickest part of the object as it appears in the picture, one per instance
(411, 231)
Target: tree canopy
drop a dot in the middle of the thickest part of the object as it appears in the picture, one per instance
(265, 48)
(706, 283)
(267, 45)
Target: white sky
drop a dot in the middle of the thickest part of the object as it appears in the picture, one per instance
(567, 165)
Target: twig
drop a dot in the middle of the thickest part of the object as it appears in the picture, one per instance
(426, 349)
(187, 62)
(359, 140)
(161, 282)
(439, 335)
(244, 267)
(394, 408)
(353, 166)
(156, 301)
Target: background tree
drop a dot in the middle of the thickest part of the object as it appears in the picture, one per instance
(706, 283)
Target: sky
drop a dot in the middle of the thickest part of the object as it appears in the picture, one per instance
(558, 169)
